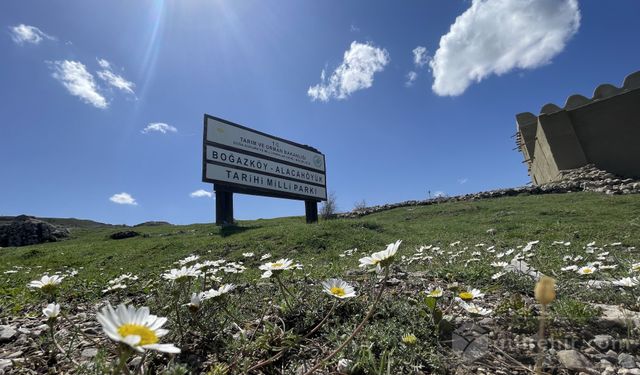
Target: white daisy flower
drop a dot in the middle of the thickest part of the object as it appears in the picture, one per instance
(572, 267)
(627, 282)
(270, 268)
(182, 274)
(187, 260)
(381, 258)
(265, 256)
(338, 288)
(591, 244)
(470, 295)
(609, 267)
(500, 264)
(248, 255)
(635, 267)
(586, 270)
(51, 311)
(498, 275)
(474, 309)
(214, 293)
(113, 287)
(435, 293)
(47, 283)
(135, 327)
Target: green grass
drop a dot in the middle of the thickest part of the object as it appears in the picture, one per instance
(576, 217)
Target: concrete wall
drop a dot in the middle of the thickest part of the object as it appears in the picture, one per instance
(603, 130)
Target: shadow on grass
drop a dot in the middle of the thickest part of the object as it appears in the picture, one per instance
(230, 230)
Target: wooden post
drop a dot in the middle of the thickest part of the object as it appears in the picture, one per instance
(224, 207)
(311, 211)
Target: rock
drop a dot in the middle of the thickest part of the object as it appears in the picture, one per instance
(5, 364)
(609, 370)
(632, 371)
(26, 230)
(89, 353)
(393, 281)
(616, 317)
(611, 356)
(574, 360)
(7, 333)
(124, 234)
(626, 360)
(602, 342)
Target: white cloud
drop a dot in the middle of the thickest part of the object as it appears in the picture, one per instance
(420, 56)
(160, 127)
(123, 198)
(114, 79)
(463, 180)
(361, 61)
(201, 194)
(79, 82)
(411, 78)
(497, 36)
(104, 64)
(28, 34)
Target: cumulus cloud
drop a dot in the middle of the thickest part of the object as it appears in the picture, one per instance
(123, 198)
(201, 194)
(113, 79)
(159, 127)
(28, 34)
(420, 56)
(497, 36)
(78, 81)
(361, 61)
(411, 78)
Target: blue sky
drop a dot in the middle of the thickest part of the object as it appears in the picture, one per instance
(82, 80)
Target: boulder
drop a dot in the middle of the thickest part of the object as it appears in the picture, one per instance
(27, 230)
(574, 360)
(124, 234)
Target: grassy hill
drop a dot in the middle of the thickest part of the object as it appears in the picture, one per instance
(564, 225)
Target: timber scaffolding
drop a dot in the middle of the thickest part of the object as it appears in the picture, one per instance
(603, 130)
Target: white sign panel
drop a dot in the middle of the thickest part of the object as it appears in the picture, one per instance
(243, 139)
(235, 159)
(261, 181)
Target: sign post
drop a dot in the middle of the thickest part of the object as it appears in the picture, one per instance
(237, 159)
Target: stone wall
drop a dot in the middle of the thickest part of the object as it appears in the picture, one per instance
(586, 178)
(603, 131)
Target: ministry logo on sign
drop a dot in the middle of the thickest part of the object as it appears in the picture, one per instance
(317, 160)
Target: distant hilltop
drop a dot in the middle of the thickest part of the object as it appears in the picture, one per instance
(62, 222)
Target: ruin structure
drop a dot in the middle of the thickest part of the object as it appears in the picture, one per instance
(603, 131)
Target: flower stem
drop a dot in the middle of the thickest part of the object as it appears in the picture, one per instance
(357, 330)
(541, 340)
(282, 290)
(279, 354)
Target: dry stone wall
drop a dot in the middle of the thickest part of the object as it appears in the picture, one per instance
(587, 178)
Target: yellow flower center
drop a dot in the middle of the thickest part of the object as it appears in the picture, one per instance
(147, 336)
(466, 296)
(409, 339)
(435, 293)
(337, 291)
(276, 265)
(587, 270)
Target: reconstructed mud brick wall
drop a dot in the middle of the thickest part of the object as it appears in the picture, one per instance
(603, 131)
